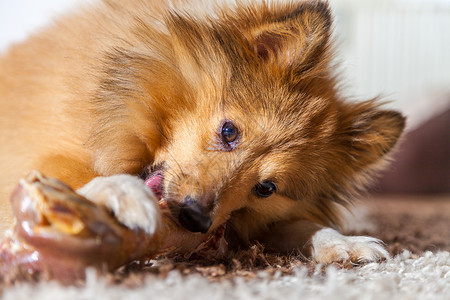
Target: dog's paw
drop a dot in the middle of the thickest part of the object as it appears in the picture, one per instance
(330, 246)
(131, 201)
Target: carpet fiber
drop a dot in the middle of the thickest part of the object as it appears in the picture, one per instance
(417, 232)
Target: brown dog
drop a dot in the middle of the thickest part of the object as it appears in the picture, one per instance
(228, 111)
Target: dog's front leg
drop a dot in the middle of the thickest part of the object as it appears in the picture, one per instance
(324, 245)
(131, 201)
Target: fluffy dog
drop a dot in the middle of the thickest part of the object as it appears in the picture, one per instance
(228, 111)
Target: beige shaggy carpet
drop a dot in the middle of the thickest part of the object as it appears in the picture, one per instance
(417, 232)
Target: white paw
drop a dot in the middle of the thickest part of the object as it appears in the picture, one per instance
(331, 246)
(131, 201)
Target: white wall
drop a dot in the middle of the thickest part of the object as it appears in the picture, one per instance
(19, 18)
(399, 50)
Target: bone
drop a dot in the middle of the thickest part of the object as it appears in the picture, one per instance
(58, 234)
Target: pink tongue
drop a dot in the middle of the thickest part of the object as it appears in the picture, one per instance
(154, 182)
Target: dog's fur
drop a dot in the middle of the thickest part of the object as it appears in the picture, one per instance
(126, 85)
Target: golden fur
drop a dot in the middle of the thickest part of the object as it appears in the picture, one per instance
(124, 85)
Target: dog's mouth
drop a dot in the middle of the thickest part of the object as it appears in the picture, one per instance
(155, 182)
(170, 207)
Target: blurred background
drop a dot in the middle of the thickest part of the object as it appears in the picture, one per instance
(398, 50)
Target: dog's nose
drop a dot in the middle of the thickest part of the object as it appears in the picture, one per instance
(192, 218)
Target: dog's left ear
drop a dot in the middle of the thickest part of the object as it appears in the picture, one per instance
(292, 35)
(369, 133)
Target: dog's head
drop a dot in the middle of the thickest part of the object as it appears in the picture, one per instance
(250, 125)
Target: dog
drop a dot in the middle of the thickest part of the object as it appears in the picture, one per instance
(231, 112)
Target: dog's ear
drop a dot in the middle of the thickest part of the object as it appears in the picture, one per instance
(370, 133)
(294, 36)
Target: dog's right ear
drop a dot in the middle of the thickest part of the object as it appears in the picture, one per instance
(292, 36)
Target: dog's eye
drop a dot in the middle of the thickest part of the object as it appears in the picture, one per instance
(265, 189)
(229, 132)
